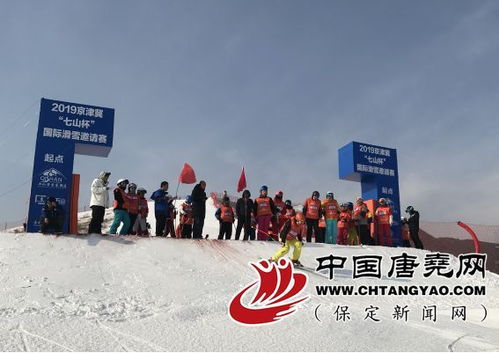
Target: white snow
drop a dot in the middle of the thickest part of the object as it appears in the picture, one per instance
(113, 294)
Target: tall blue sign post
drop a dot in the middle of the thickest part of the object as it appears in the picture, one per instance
(65, 129)
(375, 167)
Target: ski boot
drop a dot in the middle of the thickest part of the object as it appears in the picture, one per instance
(297, 263)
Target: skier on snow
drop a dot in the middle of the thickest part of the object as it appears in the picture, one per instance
(291, 236)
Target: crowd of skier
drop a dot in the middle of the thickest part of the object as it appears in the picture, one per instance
(264, 218)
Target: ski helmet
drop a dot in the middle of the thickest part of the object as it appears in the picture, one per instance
(382, 201)
(288, 202)
(264, 187)
(359, 200)
(330, 194)
(316, 194)
(141, 190)
(122, 181)
(409, 209)
(188, 199)
(279, 194)
(132, 186)
(51, 199)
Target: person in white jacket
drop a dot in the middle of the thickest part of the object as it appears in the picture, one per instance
(99, 201)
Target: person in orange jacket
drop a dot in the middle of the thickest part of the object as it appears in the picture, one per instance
(313, 212)
(278, 220)
(186, 220)
(344, 220)
(133, 206)
(264, 210)
(331, 210)
(384, 220)
(226, 217)
(140, 226)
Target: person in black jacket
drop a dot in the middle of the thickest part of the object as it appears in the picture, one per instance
(52, 217)
(413, 222)
(244, 206)
(198, 209)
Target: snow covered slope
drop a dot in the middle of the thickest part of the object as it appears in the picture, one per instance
(115, 294)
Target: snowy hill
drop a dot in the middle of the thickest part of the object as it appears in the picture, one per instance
(116, 294)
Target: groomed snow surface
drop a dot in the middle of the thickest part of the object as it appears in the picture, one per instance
(92, 293)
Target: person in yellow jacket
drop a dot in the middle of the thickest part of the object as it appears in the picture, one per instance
(291, 235)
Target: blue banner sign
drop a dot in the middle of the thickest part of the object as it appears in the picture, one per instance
(65, 129)
(375, 167)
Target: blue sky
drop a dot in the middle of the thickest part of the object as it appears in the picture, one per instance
(276, 86)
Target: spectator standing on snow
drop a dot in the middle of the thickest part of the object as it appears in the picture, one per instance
(133, 205)
(413, 223)
(99, 201)
(331, 210)
(313, 212)
(140, 226)
(52, 217)
(384, 220)
(199, 198)
(225, 215)
(161, 207)
(186, 219)
(244, 209)
(264, 210)
(120, 208)
(361, 217)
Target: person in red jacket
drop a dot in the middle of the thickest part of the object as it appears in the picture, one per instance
(140, 226)
(278, 220)
(344, 220)
(186, 219)
(384, 220)
(313, 212)
(133, 206)
(226, 217)
(264, 210)
(291, 236)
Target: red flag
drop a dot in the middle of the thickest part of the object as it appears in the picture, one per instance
(187, 175)
(241, 185)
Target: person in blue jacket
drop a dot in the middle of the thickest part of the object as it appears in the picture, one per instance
(162, 204)
(52, 217)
